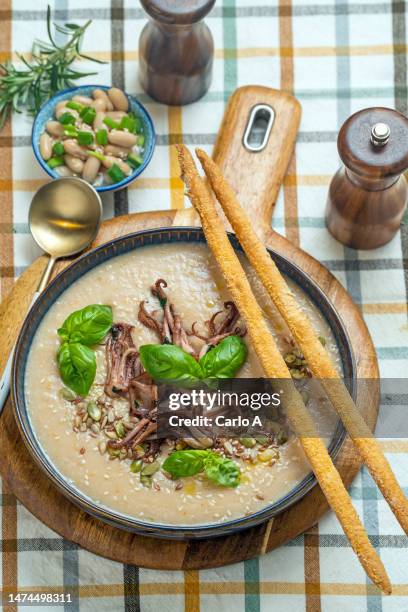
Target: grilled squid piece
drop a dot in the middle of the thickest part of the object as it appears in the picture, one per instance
(168, 326)
(222, 324)
(122, 360)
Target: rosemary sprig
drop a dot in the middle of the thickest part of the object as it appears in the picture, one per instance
(48, 71)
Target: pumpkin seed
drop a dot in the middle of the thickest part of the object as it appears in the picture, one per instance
(282, 437)
(262, 439)
(67, 394)
(120, 429)
(139, 451)
(94, 411)
(123, 453)
(150, 468)
(297, 374)
(322, 340)
(267, 455)
(305, 397)
(290, 358)
(248, 442)
(111, 434)
(113, 452)
(136, 466)
(146, 480)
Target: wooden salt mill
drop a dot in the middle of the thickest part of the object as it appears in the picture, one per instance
(368, 196)
(176, 50)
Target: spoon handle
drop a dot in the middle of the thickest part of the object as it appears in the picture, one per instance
(6, 376)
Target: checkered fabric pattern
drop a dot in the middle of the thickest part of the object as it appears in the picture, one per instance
(336, 56)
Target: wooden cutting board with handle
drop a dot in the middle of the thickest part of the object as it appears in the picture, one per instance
(257, 177)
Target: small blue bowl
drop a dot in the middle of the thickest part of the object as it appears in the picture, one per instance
(46, 113)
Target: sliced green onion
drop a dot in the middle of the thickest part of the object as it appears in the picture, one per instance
(141, 140)
(97, 155)
(67, 119)
(102, 137)
(58, 149)
(128, 123)
(88, 114)
(138, 125)
(75, 106)
(70, 130)
(114, 125)
(54, 162)
(85, 138)
(134, 160)
(116, 173)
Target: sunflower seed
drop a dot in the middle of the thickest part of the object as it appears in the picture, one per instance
(67, 394)
(111, 416)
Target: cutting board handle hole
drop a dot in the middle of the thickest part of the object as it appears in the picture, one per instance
(258, 128)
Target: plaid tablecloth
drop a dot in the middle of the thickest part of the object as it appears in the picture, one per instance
(337, 57)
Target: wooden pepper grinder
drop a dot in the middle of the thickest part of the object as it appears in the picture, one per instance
(176, 50)
(368, 196)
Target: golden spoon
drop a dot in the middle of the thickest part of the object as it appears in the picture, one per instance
(64, 218)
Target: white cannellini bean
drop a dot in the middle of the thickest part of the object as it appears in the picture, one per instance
(46, 146)
(54, 128)
(116, 115)
(98, 121)
(60, 111)
(63, 171)
(118, 99)
(83, 100)
(122, 139)
(117, 151)
(74, 149)
(101, 94)
(74, 164)
(109, 161)
(99, 105)
(91, 169)
(60, 105)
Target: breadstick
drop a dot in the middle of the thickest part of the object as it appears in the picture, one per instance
(275, 367)
(305, 336)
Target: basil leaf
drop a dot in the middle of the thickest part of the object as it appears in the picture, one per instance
(221, 470)
(88, 325)
(77, 366)
(185, 463)
(225, 359)
(169, 363)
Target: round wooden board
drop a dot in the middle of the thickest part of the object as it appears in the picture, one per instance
(38, 494)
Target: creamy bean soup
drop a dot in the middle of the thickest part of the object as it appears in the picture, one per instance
(101, 443)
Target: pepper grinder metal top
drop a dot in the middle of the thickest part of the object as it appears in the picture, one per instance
(368, 196)
(176, 50)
